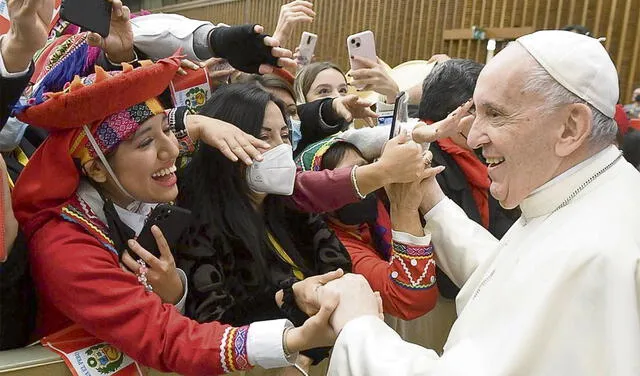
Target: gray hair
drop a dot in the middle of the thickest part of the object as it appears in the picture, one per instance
(603, 128)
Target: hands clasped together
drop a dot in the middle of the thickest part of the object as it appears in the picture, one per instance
(333, 299)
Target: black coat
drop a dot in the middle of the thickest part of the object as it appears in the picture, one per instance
(17, 296)
(317, 122)
(455, 186)
(10, 91)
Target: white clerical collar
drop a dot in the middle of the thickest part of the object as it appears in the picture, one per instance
(134, 216)
(551, 195)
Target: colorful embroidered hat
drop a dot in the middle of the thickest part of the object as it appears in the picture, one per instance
(98, 96)
(310, 159)
(368, 141)
(111, 105)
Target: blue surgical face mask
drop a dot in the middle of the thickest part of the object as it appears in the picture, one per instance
(296, 133)
(11, 134)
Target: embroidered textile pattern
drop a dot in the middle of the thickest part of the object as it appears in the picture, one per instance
(140, 112)
(65, 49)
(115, 129)
(311, 157)
(79, 213)
(233, 349)
(420, 258)
(186, 145)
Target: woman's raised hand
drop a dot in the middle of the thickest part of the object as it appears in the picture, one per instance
(161, 273)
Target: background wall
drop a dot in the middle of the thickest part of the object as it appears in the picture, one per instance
(415, 29)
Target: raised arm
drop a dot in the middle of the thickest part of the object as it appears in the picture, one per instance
(29, 30)
(461, 243)
(325, 191)
(245, 46)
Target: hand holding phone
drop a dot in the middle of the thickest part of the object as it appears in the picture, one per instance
(400, 114)
(171, 220)
(361, 44)
(109, 23)
(306, 48)
(157, 274)
(93, 15)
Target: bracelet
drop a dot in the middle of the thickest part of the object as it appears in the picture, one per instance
(176, 118)
(355, 183)
(285, 348)
(135, 59)
(177, 123)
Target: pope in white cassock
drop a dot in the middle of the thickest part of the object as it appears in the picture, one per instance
(558, 295)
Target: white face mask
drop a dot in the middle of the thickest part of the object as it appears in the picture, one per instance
(276, 174)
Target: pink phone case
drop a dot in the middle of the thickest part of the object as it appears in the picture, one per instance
(361, 44)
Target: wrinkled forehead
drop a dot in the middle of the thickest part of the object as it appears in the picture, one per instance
(503, 79)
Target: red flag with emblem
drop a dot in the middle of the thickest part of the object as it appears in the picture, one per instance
(86, 355)
(191, 90)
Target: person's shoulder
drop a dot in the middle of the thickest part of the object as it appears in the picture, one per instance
(604, 231)
(60, 239)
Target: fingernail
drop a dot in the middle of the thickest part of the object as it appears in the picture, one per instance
(248, 161)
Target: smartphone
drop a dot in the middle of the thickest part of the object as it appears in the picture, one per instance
(400, 114)
(93, 15)
(361, 44)
(307, 47)
(172, 220)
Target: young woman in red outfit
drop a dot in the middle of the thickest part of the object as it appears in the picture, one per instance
(86, 192)
(388, 247)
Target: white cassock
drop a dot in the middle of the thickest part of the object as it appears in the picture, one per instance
(558, 295)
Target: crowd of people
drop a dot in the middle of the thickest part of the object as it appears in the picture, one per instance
(513, 198)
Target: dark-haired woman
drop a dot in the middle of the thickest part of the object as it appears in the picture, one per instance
(245, 243)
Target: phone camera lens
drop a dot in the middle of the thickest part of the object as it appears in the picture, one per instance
(357, 44)
(353, 41)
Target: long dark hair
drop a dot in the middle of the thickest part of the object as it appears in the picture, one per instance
(216, 191)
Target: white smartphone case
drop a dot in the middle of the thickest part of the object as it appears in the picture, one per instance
(307, 47)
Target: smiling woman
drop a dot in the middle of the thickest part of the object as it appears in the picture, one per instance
(88, 190)
(144, 165)
(245, 243)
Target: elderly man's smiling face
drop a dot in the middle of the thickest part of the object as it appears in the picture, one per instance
(518, 137)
